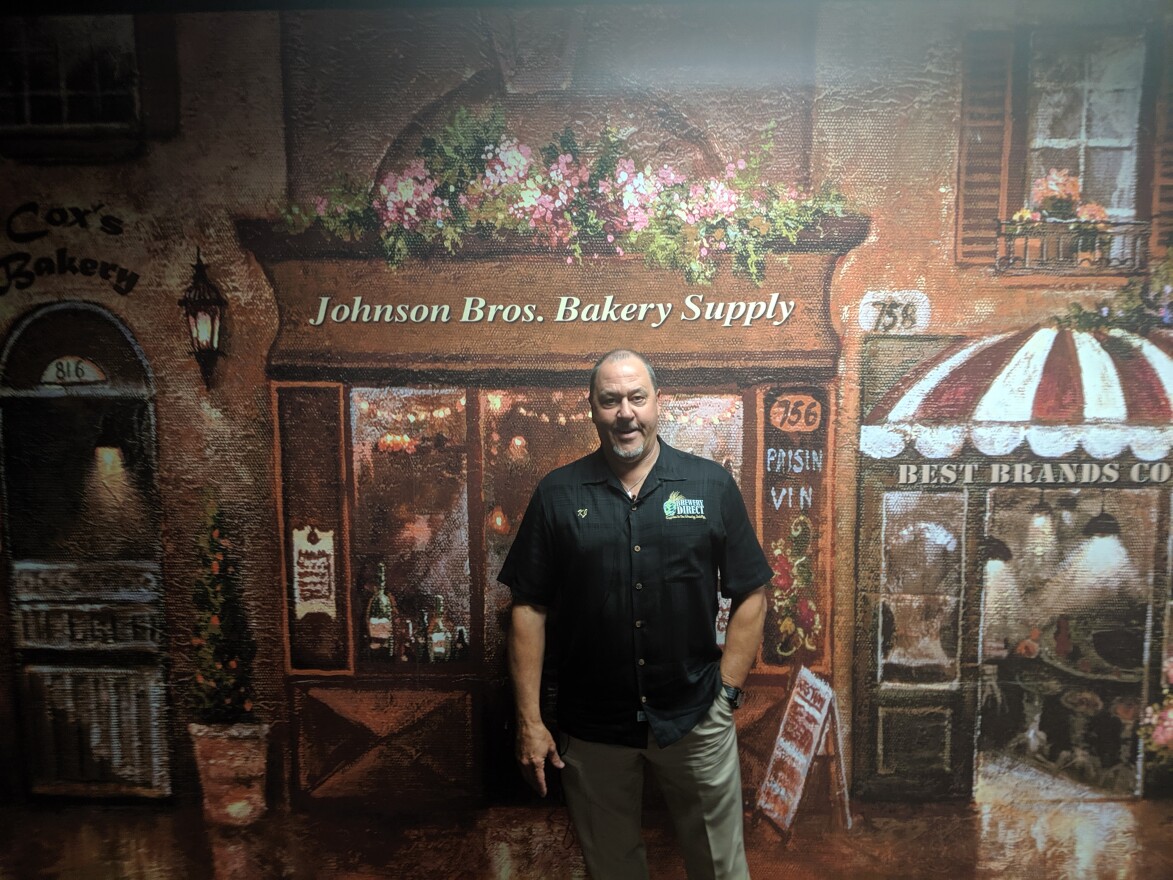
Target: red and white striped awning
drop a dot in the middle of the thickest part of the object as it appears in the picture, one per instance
(1055, 389)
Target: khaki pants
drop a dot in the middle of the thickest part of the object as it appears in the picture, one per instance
(701, 779)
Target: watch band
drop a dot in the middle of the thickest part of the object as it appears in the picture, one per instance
(733, 694)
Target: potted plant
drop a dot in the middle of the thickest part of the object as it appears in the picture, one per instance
(1057, 198)
(230, 743)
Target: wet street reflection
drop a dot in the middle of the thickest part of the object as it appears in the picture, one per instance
(1023, 823)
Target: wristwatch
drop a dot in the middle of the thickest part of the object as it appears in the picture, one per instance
(733, 694)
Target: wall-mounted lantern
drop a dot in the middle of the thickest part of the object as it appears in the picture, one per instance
(204, 306)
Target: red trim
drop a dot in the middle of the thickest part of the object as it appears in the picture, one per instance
(879, 412)
(1144, 393)
(955, 398)
(1059, 398)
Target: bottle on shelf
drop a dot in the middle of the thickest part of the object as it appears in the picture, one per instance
(439, 635)
(381, 615)
(460, 646)
(407, 642)
(422, 652)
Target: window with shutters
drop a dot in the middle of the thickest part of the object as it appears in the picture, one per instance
(1057, 165)
(85, 88)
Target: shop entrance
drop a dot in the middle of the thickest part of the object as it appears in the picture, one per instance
(82, 555)
(1012, 563)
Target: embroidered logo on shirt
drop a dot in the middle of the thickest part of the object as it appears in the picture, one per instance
(679, 507)
(582, 512)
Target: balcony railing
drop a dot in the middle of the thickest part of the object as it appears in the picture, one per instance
(1072, 248)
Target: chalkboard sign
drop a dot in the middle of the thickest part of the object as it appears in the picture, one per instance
(811, 714)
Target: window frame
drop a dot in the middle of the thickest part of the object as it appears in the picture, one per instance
(158, 109)
(992, 177)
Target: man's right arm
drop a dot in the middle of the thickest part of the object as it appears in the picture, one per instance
(527, 647)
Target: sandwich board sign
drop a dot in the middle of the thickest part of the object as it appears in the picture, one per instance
(810, 719)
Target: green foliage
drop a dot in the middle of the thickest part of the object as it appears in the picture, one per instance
(472, 178)
(457, 156)
(223, 646)
(1143, 305)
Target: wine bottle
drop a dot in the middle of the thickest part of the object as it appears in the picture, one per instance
(460, 648)
(407, 642)
(422, 652)
(439, 635)
(381, 615)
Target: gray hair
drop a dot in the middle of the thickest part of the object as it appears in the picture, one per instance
(620, 354)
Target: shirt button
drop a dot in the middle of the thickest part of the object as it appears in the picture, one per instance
(637, 548)
(641, 661)
(638, 624)
(639, 586)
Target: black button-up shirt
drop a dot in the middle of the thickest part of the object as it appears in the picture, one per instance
(634, 585)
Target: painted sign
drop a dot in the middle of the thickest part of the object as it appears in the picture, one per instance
(804, 725)
(313, 572)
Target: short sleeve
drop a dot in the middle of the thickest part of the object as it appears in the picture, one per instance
(529, 565)
(743, 565)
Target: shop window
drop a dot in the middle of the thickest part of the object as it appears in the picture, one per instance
(1061, 182)
(409, 530)
(528, 432)
(1067, 610)
(85, 87)
(921, 585)
(525, 433)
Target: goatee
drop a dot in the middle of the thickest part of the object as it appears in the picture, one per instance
(628, 454)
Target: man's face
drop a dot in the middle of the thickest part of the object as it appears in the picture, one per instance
(625, 409)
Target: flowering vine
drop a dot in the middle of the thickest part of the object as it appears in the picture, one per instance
(792, 598)
(1156, 730)
(475, 179)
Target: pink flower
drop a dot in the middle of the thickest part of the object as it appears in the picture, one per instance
(507, 163)
(407, 200)
(1162, 722)
(1091, 212)
(1055, 184)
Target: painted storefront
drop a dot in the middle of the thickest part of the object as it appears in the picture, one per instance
(901, 273)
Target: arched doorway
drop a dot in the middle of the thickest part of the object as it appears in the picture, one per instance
(82, 554)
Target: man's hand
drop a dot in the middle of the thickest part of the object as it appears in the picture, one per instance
(534, 747)
(527, 645)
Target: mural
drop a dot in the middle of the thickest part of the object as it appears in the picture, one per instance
(297, 306)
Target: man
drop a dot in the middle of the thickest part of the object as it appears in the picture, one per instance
(630, 544)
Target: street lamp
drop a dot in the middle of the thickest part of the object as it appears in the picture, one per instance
(204, 306)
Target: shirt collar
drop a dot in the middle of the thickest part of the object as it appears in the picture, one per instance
(667, 466)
